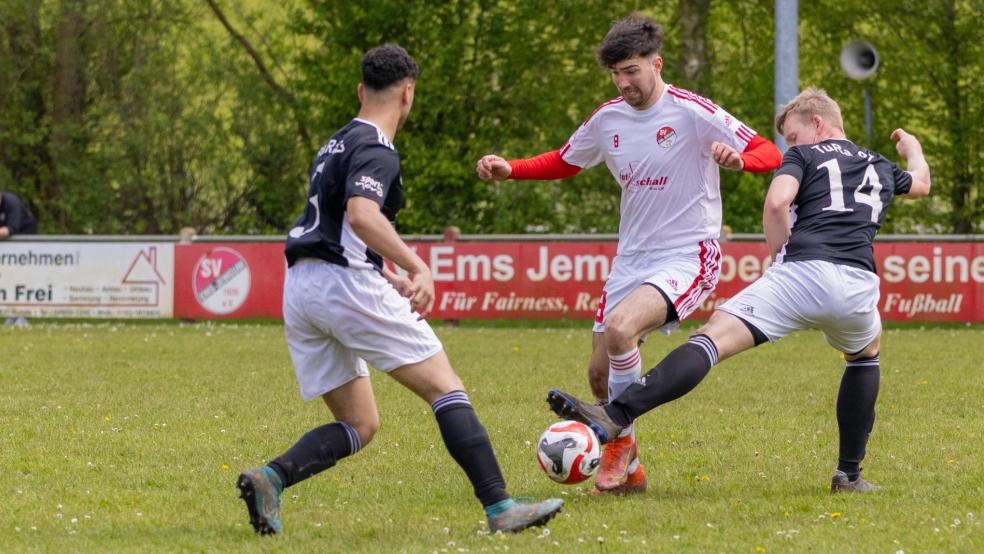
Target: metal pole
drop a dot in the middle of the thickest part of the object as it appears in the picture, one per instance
(867, 114)
(787, 57)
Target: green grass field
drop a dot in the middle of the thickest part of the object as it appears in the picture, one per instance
(122, 437)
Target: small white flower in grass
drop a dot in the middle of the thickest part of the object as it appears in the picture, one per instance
(545, 532)
(139, 514)
(936, 529)
(605, 525)
(447, 531)
(75, 520)
(58, 515)
(676, 537)
(33, 528)
(17, 529)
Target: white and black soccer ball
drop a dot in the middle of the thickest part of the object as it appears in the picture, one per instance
(568, 452)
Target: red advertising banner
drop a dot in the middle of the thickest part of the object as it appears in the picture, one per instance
(564, 280)
(228, 280)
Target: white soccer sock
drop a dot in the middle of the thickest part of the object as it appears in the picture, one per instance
(623, 370)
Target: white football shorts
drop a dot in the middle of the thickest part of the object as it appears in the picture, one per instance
(337, 319)
(686, 275)
(840, 300)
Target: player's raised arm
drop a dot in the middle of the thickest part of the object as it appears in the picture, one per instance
(545, 167)
(775, 215)
(910, 149)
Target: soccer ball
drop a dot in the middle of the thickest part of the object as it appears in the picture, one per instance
(568, 452)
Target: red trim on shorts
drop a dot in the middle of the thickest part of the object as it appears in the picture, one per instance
(600, 312)
(706, 280)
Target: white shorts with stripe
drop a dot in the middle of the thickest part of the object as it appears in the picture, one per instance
(686, 275)
(337, 319)
(840, 300)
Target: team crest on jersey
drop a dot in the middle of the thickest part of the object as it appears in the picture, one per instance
(666, 137)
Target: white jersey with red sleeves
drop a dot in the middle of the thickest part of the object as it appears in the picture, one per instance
(661, 157)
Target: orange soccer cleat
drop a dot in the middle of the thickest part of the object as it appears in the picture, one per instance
(616, 459)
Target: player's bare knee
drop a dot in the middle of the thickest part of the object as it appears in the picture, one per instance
(869, 351)
(619, 338)
(365, 425)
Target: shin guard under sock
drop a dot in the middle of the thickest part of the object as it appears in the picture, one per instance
(469, 445)
(856, 412)
(318, 450)
(679, 372)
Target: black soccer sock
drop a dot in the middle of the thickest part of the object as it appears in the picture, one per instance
(678, 373)
(856, 412)
(469, 445)
(319, 449)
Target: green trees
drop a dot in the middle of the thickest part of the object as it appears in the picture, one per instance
(125, 116)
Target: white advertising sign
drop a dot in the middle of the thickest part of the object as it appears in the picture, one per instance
(80, 279)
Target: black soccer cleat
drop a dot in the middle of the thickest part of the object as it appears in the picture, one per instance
(595, 417)
(841, 483)
(262, 498)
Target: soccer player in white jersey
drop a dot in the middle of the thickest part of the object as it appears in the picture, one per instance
(343, 308)
(663, 145)
(822, 212)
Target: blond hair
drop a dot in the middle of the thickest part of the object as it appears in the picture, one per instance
(812, 101)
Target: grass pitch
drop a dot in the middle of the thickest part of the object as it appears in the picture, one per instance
(128, 437)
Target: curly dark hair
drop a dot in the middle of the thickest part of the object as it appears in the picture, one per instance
(387, 65)
(636, 35)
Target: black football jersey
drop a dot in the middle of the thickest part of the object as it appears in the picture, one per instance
(843, 194)
(358, 160)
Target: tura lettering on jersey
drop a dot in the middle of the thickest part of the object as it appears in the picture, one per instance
(843, 195)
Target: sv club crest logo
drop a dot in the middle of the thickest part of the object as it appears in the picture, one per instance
(666, 137)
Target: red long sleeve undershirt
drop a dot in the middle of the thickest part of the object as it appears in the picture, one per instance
(544, 167)
(759, 156)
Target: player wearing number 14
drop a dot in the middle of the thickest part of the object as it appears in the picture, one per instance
(822, 211)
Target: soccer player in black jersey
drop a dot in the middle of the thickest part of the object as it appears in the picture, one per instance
(344, 309)
(822, 211)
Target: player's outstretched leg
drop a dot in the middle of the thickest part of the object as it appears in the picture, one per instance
(260, 488)
(569, 407)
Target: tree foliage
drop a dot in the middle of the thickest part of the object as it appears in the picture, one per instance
(126, 116)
